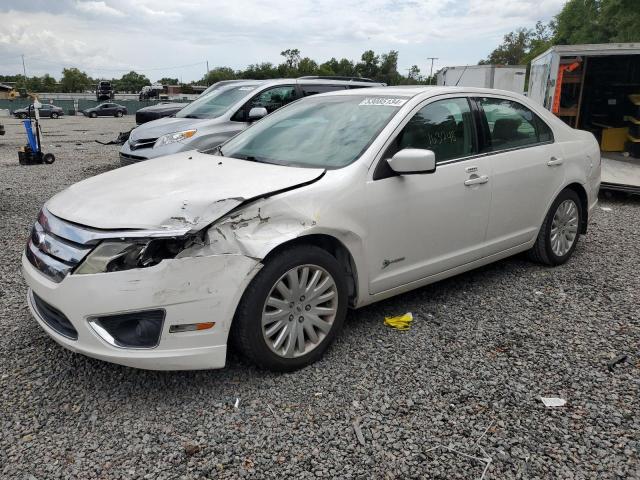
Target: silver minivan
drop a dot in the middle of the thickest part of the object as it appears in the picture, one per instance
(219, 115)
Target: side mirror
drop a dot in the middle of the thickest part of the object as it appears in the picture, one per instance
(256, 113)
(413, 160)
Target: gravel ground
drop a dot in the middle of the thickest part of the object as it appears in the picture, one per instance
(438, 401)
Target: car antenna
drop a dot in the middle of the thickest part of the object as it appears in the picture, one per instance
(461, 75)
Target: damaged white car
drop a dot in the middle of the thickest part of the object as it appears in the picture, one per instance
(335, 201)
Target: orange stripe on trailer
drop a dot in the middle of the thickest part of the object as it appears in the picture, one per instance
(556, 97)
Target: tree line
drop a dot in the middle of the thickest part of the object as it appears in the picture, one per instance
(579, 21)
(382, 68)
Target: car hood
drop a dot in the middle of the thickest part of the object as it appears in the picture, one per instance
(178, 193)
(162, 126)
(164, 107)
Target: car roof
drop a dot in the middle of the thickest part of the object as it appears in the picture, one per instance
(306, 81)
(424, 91)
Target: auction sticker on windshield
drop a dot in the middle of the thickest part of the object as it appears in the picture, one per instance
(394, 102)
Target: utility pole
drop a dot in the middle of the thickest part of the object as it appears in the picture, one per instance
(207, 66)
(431, 74)
(24, 70)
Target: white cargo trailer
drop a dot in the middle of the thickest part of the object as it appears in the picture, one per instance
(502, 77)
(596, 87)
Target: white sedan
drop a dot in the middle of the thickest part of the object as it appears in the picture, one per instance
(335, 201)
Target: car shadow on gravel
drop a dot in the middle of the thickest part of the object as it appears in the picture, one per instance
(425, 303)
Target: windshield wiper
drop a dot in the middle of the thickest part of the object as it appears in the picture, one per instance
(191, 116)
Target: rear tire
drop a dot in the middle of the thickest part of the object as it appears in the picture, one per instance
(559, 233)
(48, 158)
(292, 310)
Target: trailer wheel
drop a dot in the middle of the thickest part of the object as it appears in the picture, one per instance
(48, 158)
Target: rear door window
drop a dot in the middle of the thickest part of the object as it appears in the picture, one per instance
(512, 125)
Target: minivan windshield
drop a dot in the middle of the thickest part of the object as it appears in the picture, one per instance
(215, 103)
(321, 132)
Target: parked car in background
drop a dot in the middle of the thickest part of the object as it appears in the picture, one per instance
(337, 200)
(168, 109)
(1, 129)
(46, 111)
(223, 112)
(105, 110)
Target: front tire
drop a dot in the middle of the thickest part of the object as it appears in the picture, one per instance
(292, 310)
(558, 236)
(93, 115)
(54, 115)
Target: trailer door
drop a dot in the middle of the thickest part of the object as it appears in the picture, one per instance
(542, 79)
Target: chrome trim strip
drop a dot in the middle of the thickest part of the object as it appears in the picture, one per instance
(89, 236)
(57, 247)
(49, 266)
(101, 332)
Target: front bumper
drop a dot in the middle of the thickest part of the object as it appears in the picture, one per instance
(190, 290)
(128, 156)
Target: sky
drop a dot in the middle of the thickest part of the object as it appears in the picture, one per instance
(175, 38)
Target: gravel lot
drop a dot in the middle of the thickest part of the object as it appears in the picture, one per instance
(461, 386)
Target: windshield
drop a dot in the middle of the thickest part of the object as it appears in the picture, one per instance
(325, 132)
(216, 103)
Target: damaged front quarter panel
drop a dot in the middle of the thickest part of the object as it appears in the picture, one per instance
(251, 232)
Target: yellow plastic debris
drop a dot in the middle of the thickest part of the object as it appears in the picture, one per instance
(402, 322)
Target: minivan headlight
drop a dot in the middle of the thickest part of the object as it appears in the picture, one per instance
(173, 138)
(115, 256)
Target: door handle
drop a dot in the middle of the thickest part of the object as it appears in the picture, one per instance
(554, 161)
(476, 180)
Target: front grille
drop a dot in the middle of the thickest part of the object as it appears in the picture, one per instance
(141, 143)
(55, 246)
(54, 318)
(127, 159)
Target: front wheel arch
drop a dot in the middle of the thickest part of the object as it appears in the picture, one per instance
(334, 247)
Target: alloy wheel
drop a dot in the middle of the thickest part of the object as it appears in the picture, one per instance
(564, 228)
(299, 311)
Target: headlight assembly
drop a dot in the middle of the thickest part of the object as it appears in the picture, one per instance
(114, 256)
(173, 138)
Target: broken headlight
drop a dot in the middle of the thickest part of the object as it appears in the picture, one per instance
(173, 138)
(115, 256)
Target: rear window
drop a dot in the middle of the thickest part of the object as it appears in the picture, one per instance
(314, 89)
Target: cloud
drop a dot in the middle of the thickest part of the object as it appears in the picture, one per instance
(98, 8)
(145, 34)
